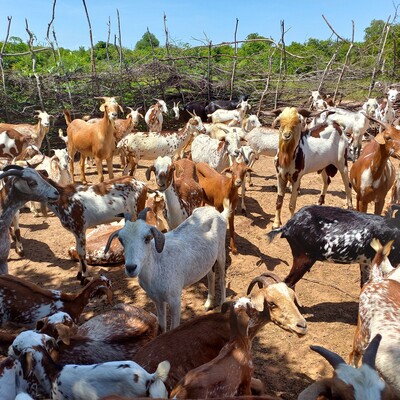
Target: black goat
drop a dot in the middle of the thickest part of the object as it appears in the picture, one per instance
(333, 234)
(224, 104)
(195, 107)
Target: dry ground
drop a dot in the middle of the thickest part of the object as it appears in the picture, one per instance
(283, 361)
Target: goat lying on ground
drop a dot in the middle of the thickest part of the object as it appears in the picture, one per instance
(349, 383)
(229, 374)
(81, 207)
(24, 302)
(379, 313)
(148, 255)
(24, 184)
(274, 301)
(322, 233)
(80, 382)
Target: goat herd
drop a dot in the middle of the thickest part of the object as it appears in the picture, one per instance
(171, 233)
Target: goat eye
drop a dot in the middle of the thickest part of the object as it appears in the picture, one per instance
(32, 183)
(271, 304)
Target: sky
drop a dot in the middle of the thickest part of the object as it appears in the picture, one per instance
(190, 21)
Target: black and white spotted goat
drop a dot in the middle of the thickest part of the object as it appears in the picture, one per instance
(333, 234)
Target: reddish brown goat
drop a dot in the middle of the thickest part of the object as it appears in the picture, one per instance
(373, 174)
(228, 374)
(24, 302)
(218, 187)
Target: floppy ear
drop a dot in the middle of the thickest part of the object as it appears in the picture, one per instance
(149, 170)
(26, 363)
(64, 333)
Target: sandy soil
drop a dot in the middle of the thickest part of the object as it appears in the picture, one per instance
(283, 361)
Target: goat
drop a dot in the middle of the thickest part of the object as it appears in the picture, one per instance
(386, 112)
(13, 144)
(323, 233)
(225, 104)
(81, 382)
(211, 379)
(111, 336)
(373, 174)
(150, 260)
(81, 207)
(248, 156)
(218, 154)
(270, 296)
(195, 107)
(12, 380)
(263, 140)
(230, 117)
(219, 188)
(379, 313)
(24, 184)
(322, 149)
(92, 140)
(180, 185)
(154, 118)
(370, 107)
(96, 239)
(176, 111)
(149, 146)
(24, 302)
(349, 383)
(33, 133)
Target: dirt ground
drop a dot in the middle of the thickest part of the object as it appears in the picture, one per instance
(282, 360)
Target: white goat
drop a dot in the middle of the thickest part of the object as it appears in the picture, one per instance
(370, 107)
(218, 154)
(149, 146)
(176, 110)
(25, 184)
(230, 117)
(154, 118)
(177, 259)
(82, 382)
(385, 112)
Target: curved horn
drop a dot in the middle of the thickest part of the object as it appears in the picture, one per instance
(12, 172)
(110, 239)
(334, 359)
(261, 280)
(370, 353)
(143, 213)
(130, 108)
(125, 215)
(386, 126)
(272, 275)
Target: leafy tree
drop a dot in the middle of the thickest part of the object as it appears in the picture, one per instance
(147, 41)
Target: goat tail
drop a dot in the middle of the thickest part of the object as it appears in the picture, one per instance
(227, 208)
(271, 235)
(67, 116)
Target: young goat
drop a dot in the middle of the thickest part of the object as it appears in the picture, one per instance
(148, 255)
(322, 233)
(219, 188)
(349, 383)
(274, 301)
(154, 116)
(24, 302)
(213, 379)
(379, 313)
(80, 382)
(180, 185)
(81, 207)
(24, 184)
(373, 174)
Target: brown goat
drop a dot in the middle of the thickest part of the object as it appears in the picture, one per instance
(228, 374)
(92, 140)
(217, 187)
(24, 302)
(373, 174)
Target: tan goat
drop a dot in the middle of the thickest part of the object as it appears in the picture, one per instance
(92, 140)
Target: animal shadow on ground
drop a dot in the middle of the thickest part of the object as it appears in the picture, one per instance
(344, 312)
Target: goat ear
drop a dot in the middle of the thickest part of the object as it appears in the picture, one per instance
(149, 170)
(226, 306)
(102, 108)
(159, 239)
(110, 239)
(64, 333)
(258, 300)
(26, 361)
